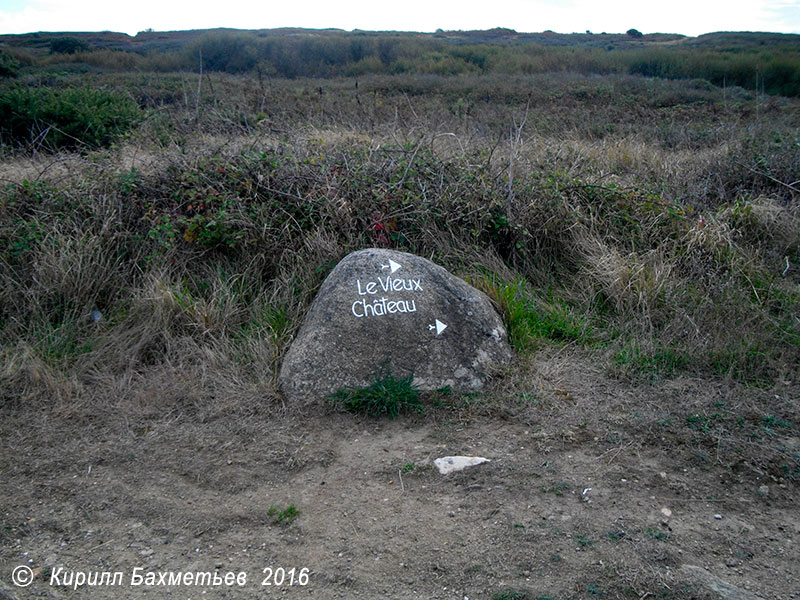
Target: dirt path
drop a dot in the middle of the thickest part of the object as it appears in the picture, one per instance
(596, 489)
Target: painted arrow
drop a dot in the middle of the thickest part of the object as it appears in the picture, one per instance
(439, 327)
(392, 265)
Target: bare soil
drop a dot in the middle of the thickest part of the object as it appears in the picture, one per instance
(597, 488)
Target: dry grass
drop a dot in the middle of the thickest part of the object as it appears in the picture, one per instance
(202, 238)
(645, 257)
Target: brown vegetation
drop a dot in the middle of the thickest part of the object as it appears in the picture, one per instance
(643, 232)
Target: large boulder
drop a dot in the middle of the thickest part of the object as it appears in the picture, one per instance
(385, 312)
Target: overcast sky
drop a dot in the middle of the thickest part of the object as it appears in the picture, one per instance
(689, 17)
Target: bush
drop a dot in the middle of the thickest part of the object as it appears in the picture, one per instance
(231, 53)
(67, 45)
(8, 66)
(70, 118)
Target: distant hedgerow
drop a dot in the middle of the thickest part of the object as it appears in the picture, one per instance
(69, 118)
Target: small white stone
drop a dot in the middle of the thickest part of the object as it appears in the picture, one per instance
(451, 464)
(666, 512)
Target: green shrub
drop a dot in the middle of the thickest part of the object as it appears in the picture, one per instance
(9, 67)
(213, 230)
(69, 118)
(67, 45)
(385, 396)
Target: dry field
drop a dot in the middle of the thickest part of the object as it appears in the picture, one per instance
(640, 237)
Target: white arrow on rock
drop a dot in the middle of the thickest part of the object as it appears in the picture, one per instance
(392, 265)
(439, 327)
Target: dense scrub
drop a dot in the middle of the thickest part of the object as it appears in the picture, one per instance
(653, 223)
(765, 62)
(68, 118)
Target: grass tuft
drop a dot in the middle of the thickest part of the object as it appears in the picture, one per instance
(531, 319)
(283, 516)
(387, 395)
